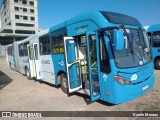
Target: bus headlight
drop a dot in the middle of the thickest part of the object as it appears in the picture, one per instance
(122, 81)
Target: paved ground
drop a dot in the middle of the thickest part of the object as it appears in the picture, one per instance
(17, 93)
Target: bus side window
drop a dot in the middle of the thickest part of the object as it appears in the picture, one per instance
(10, 50)
(25, 49)
(57, 40)
(44, 45)
(21, 50)
(156, 39)
(55, 45)
(104, 58)
(150, 38)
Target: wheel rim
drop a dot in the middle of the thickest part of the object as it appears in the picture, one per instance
(64, 83)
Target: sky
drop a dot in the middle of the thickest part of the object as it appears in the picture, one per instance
(53, 12)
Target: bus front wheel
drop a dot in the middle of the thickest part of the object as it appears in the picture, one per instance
(63, 82)
(157, 63)
(28, 73)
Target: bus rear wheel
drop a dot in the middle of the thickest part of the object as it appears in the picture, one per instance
(28, 73)
(64, 84)
(157, 63)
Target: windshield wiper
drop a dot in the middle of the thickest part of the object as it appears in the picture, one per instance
(132, 52)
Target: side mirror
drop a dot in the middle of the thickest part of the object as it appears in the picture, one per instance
(118, 40)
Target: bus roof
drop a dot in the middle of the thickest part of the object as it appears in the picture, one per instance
(154, 28)
(43, 32)
(119, 18)
(101, 19)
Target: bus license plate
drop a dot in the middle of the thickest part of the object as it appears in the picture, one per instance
(145, 87)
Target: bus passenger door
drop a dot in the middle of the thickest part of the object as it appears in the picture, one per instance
(72, 64)
(33, 60)
(93, 64)
(32, 66)
(36, 60)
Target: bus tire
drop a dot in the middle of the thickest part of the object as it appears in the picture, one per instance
(157, 63)
(63, 82)
(28, 74)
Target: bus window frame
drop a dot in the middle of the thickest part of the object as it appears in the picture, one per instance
(48, 44)
(62, 32)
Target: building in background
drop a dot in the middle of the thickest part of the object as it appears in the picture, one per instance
(18, 20)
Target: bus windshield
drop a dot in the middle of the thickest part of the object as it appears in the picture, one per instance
(136, 52)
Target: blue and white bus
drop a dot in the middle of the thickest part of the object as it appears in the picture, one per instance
(105, 55)
(154, 34)
(20, 56)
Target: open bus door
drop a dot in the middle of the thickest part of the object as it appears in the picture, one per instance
(72, 64)
(93, 63)
(33, 60)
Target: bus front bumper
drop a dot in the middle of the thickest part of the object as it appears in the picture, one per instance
(129, 92)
